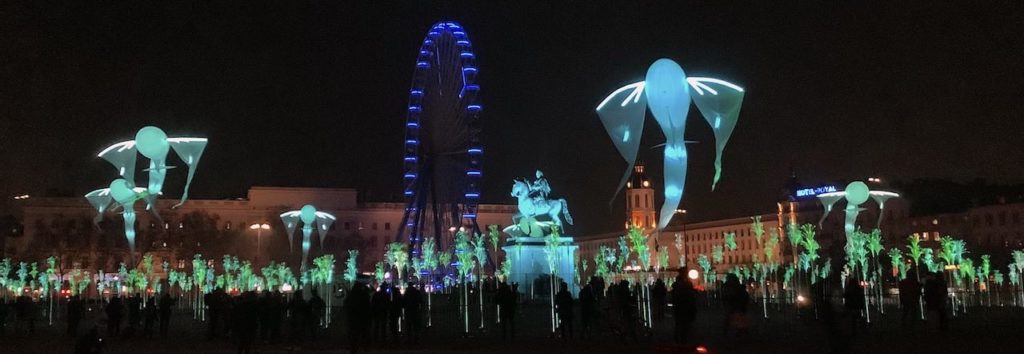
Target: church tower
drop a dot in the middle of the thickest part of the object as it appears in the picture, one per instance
(640, 200)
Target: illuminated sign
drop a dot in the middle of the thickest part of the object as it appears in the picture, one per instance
(810, 192)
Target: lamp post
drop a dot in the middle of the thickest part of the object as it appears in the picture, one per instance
(259, 233)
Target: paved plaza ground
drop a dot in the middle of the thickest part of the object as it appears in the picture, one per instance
(982, 330)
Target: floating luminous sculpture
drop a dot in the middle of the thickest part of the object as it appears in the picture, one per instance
(666, 91)
(856, 193)
(311, 219)
(121, 194)
(154, 144)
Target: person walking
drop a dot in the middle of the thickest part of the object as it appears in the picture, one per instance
(506, 299)
(26, 311)
(684, 304)
(150, 314)
(735, 300)
(75, 312)
(659, 295)
(588, 308)
(115, 312)
(395, 311)
(357, 312)
(910, 297)
(935, 294)
(413, 305)
(316, 312)
(379, 307)
(166, 304)
(134, 313)
(853, 299)
(564, 308)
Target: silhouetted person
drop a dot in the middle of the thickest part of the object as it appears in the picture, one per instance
(684, 304)
(823, 303)
(379, 306)
(735, 300)
(935, 294)
(910, 297)
(135, 311)
(853, 297)
(588, 308)
(316, 307)
(25, 309)
(627, 310)
(658, 297)
(115, 312)
(506, 299)
(214, 308)
(166, 304)
(395, 311)
(150, 313)
(413, 305)
(277, 318)
(75, 311)
(245, 320)
(357, 313)
(564, 307)
(300, 311)
(3, 315)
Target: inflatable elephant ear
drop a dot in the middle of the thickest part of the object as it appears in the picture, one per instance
(323, 225)
(100, 200)
(881, 197)
(622, 114)
(189, 150)
(122, 155)
(719, 102)
(290, 221)
(827, 201)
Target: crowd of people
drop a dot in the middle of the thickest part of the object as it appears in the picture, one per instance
(390, 314)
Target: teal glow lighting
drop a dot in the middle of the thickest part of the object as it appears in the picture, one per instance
(666, 91)
(311, 220)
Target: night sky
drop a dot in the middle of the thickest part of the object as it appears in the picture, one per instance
(314, 94)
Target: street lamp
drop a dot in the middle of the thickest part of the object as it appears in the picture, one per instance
(259, 233)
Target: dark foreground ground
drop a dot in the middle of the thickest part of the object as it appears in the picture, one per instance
(982, 330)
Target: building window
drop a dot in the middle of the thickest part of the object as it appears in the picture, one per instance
(374, 226)
(1002, 218)
(988, 219)
(387, 226)
(647, 201)
(348, 226)
(636, 201)
(1016, 217)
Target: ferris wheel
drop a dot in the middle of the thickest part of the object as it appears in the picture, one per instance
(443, 153)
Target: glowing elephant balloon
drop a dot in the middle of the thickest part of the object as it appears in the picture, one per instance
(154, 144)
(311, 219)
(667, 92)
(122, 194)
(856, 194)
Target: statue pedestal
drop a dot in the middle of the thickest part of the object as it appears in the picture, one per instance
(530, 265)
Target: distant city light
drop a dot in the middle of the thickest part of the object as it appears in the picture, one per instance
(20, 197)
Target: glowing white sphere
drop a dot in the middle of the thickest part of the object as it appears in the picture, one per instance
(693, 274)
(857, 193)
(121, 191)
(307, 214)
(152, 143)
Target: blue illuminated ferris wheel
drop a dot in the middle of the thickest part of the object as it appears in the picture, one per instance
(443, 153)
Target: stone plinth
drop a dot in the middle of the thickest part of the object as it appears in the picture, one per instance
(530, 262)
